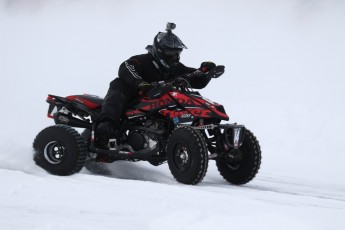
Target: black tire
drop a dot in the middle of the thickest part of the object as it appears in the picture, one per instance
(93, 166)
(187, 155)
(86, 135)
(60, 150)
(244, 169)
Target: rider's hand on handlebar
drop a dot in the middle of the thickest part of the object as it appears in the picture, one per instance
(207, 66)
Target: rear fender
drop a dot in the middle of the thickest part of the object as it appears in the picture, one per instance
(66, 106)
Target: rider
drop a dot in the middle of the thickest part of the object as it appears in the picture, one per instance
(162, 62)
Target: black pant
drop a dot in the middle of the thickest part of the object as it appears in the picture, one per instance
(116, 101)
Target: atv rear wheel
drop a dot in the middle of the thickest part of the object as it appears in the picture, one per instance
(187, 155)
(86, 135)
(91, 164)
(244, 162)
(60, 150)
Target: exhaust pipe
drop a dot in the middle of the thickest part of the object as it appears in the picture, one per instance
(64, 119)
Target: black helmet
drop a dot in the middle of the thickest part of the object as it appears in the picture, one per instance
(166, 48)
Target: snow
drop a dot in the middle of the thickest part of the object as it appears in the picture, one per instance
(284, 80)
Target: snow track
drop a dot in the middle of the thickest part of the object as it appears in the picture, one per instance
(297, 187)
(140, 196)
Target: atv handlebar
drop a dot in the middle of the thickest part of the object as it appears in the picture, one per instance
(183, 80)
(181, 83)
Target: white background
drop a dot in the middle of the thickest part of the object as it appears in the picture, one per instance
(285, 69)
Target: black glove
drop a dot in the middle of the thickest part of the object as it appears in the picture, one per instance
(144, 87)
(207, 66)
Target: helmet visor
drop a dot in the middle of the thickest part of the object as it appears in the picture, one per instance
(172, 55)
(172, 52)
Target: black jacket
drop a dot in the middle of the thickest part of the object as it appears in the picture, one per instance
(132, 72)
(141, 68)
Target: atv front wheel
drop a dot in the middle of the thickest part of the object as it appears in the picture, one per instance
(60, 150)
(242, 165)
(187, 155)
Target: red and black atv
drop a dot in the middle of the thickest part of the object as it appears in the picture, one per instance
(171, 123)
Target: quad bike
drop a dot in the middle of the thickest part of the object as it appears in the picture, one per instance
(170, 123)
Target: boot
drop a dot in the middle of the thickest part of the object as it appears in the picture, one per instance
(104, 132)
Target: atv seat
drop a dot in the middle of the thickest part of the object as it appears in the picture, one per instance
(90, 101)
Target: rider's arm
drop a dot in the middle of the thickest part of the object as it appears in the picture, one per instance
(196, 81)
(130, 71)
(199, 81)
